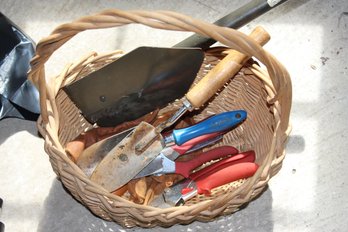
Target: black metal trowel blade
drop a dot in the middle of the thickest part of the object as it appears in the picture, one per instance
(141, 81)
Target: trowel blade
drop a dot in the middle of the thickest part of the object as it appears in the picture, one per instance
(141, 81)
(123, 162)
(92, 156)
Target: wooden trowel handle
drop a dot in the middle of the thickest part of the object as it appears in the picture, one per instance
(223, 71)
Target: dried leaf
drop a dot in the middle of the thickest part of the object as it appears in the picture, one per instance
(120, 191)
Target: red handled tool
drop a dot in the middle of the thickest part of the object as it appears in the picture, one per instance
(173, 152)
(184, 168)
(203, 181)
(248, 156)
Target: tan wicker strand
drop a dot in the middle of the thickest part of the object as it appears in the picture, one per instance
(266, 95)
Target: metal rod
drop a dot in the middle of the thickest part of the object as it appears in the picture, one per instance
(236, 19)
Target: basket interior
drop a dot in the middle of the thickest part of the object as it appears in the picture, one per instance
(245, 91)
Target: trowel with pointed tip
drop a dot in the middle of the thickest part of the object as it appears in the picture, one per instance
(141, 81)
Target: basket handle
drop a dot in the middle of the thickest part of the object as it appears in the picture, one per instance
(160, 20)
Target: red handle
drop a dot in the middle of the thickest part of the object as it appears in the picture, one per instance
(248, 156)
(225, 176)
(185, 168)
(191, 143)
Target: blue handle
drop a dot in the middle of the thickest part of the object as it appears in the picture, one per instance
(216, 123)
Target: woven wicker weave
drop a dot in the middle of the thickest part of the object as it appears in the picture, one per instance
(265, 95)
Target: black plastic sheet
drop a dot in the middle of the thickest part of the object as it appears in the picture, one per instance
(18, 96)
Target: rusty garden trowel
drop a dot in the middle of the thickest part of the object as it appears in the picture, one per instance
(92, 155)
(145, 142)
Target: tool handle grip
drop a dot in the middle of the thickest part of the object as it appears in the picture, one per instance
(248, 156)
(223, 71)
(185, 168)
(225, 176)
(235, 19)
(216, 123)
(182, 149)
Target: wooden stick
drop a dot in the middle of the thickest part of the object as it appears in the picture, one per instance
(223, 71)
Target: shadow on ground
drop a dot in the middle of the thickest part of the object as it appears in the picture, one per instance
(61, 212)
(11, 126)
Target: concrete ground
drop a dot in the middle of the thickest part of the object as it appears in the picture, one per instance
(309, 194)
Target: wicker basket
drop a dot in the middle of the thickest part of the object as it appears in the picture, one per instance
(265, 95)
